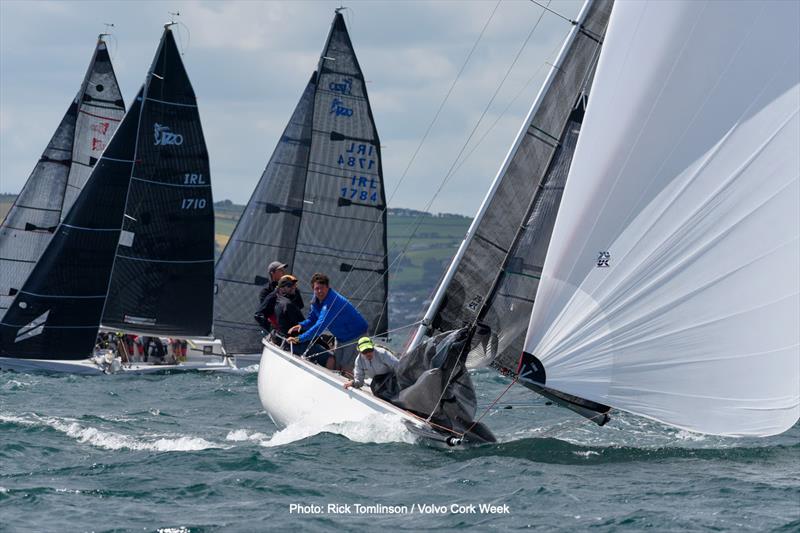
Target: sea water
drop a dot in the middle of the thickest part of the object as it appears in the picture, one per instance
(196, 452)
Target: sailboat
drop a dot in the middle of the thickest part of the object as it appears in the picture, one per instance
(135, 251)
(669, 286)
(60, 174)
(538, 160)
(318, 207)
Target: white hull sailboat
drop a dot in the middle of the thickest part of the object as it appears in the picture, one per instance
(564, 87)
(669, 286)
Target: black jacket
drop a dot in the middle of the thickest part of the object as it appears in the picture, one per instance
(268, 303)
(287, 314)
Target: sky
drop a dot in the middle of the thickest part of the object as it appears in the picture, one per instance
(250, 60)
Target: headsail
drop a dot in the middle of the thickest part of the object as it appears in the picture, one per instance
(320, 204)
(496, 278)
(162, 281)
(59, 175)
(670, 287)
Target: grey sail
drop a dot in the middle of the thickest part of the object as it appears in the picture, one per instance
(320, 205)
(163, 274)
(496, 280)
(267, 229)
(62, 170)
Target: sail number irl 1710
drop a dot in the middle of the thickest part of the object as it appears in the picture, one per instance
(193, 203)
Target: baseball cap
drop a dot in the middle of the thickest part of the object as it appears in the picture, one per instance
(365, 344)
(275, 265)
(287, 280)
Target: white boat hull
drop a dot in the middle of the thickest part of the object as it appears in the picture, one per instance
(292, 390)
(200, 347)
(91, 367)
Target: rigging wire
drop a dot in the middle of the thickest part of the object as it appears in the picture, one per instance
(416, 152)
(547, 8)
(454, 166)
(450, 172)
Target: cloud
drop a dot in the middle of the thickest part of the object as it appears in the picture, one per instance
(249, 62)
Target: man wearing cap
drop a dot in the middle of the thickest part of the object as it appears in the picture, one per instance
(286, 313)
(275, 306)
(266, 298)
(275, 271)
(377, 363)
(333, 312)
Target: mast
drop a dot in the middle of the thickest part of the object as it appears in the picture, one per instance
(436, 303)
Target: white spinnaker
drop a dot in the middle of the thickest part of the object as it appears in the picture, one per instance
(686, 174)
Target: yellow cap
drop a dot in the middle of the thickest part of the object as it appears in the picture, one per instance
(365, 344)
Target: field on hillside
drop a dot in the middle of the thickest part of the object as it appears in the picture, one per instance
(6, 201)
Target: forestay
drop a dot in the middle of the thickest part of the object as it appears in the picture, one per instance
(162, 280)
(670, 287)
(59, 175)
(319, 207)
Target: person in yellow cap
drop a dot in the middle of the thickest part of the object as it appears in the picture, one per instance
(377, 363)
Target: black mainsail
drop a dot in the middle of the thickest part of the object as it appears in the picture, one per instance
(60, 174)
(163, 275)
(319, 206)
(495, 278)
(57, 313)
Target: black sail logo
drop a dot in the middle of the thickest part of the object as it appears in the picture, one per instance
(165, 137)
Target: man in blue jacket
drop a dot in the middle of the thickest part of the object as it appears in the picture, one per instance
(331, 311)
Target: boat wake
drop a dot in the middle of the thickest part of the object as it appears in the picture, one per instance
(378, 429)
(109, 440)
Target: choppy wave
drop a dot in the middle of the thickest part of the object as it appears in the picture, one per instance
(110, 440)
(378, 428)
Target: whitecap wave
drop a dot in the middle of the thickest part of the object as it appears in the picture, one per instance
(244, 435)
(377, 428)
(114, 441)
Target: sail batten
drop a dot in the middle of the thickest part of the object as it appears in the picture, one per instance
(670, 287)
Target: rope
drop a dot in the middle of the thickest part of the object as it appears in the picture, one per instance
(476, 422)
(456, 163)
(573, 22)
